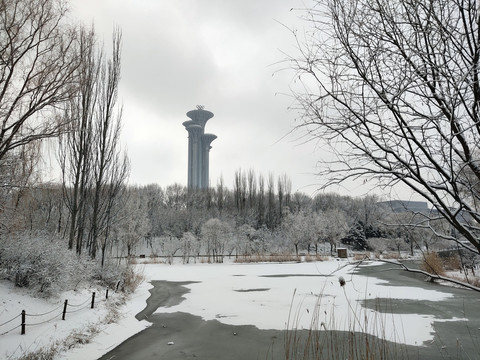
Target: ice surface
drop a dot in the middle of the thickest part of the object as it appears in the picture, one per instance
(269, 296)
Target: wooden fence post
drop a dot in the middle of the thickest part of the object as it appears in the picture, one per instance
(64, 309)
(93, 299)
(23, 322)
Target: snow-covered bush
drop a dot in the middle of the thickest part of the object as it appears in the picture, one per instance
(42, 263)
(108, 275)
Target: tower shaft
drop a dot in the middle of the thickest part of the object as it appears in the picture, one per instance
(198, 148)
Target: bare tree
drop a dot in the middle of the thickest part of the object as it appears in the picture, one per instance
(17, 175)
(75, 145)
(38, 63)
(252, 188)
(393, 87)
(220, 195)
(110, 166)
(261, 219)
(271, 215)
(94, 168)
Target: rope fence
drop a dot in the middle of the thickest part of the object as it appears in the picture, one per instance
(88, 303)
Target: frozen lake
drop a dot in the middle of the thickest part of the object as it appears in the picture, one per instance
(199, 305)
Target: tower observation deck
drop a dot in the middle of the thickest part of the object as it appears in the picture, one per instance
(198, 148)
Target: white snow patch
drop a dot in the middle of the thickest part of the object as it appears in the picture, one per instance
(52, 329)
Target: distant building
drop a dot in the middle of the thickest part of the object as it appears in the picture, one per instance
(405, 205)
(421, 207)
(198, 148)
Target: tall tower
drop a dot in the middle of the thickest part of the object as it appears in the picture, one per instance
(198, 147)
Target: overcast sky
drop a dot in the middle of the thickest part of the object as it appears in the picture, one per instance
(221, 54)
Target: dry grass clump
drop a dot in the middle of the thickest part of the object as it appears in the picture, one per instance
(75, 338)
(147, 260)
(131, 280)
(257, 258)
(451, 263)
(475, 281)
(392, 255)
(433, 264)
(323, 341)
(44, 353)
(317, 257)
(361, 256)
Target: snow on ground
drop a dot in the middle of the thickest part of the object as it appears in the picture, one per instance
(52, 329)
(239, 294)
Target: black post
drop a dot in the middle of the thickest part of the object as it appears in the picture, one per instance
(65, 304)
(93, 299)
(106, 297)
(23, 322)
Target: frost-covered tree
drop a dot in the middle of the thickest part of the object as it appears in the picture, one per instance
(244, 240)
(392, 87)
(296, 228)
(214, 234)
(189, 246)
(170, 245)
(133, 224)
(335, 227)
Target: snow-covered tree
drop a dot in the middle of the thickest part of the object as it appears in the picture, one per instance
(214, 234)
(244, 240)
(295, 227)
(189, 246)
(133, 224)
(335, 227)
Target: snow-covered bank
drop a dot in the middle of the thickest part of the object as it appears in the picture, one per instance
(238, 294)
(49, 329)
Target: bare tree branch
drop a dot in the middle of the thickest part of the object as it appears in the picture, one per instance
(392, 88)
(38, 63)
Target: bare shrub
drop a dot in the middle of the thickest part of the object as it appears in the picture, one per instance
(113, 306)
(44, 353)
(109, 275)
(475, 281)
(152, 259)
(451, 263)
(360, 256)
(131, 279)
(257, 258)
(433, 264)
(81, 337)
(392, 255)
